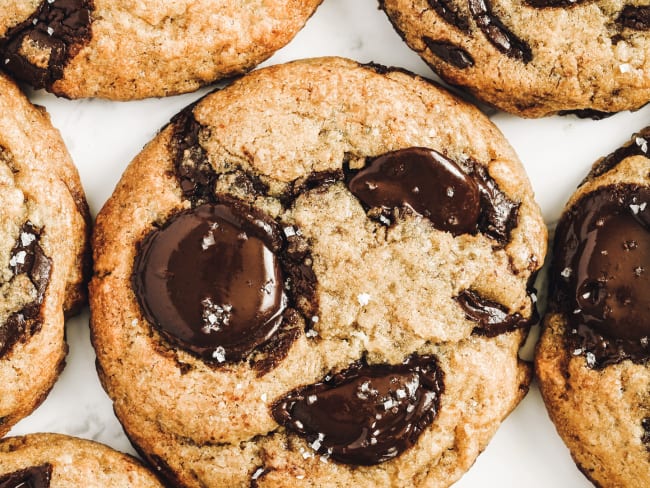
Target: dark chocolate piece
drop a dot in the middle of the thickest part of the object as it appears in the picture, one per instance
(497, 33)
(450, 53)
(32, 477)
(645, 423)
(635, 17)
(28, 257)
(193, 169)
(499, 214)
(58, 26)
(492, 317)
(210, 280)
(601, 274)
(365, 415)
(423, 181)
(636, 146)
(450, 14)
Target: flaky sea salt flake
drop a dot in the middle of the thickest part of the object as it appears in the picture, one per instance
(363, 298)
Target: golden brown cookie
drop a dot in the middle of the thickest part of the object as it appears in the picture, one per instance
(131, 49)
(59, 461)
(295, 283)
(535, 57)
(592, 359)
(44, 252)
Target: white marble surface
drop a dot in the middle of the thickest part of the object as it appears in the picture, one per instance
(557, 152)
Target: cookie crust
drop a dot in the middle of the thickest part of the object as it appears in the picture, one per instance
(591, 61)
(282, 124)
(73, 462)
(41, 191)
(127, 49)
(599, 411)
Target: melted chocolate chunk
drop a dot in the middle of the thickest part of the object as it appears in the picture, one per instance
(492, 317)
(635, 17)
(499, 214)
(58, 26)
(450, 53)
(32, 477)
(450, 14)
(423, 181)
(601, 274)
(365, 415)
(210, 280)
(497, 33)
(28, 257)
(193, 169)
(637, 146)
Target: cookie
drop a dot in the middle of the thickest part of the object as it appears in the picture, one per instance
(593, 61)
(294, 283)
(127, 49)
(55, 460)
(592, 359)
(44, 252)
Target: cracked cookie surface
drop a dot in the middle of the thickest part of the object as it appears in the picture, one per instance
(535, 57)
(128, 49)
(44, 252)
(294, 187)
(592, 359)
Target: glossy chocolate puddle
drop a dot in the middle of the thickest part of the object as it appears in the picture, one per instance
(365, 415)
(601, 275)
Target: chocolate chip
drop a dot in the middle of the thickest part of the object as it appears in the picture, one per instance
(492, 317)
(499, 214)
(365, 415)
(422, 181)
(194, 172)
(635, 17)
(59, 27)
(450, 53)
(601, 274)
(450, 14)
(26, 257)
(497, 33)
(32, 477)
(636, 146)
(210, 280)
(456, 199)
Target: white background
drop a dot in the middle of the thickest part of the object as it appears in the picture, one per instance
(557, 152)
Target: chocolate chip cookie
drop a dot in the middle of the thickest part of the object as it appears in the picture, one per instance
(296, 283)
(128, 49)
(44, 252)
(58, 461)
(535, 57)
(592, 359)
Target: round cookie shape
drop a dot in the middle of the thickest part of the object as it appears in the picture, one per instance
(44, 252)
(369, 305)
(129, 49)
(593, 62)
(593, 357)
(58, 461)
